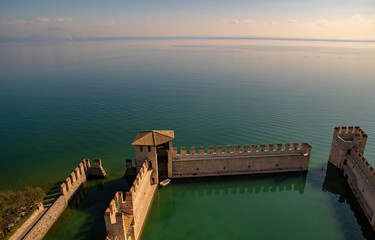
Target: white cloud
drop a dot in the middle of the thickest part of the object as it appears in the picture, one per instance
(44, 20)
(293, 21)
(64, 20)
(18, 22)
(357, 19)
(269, 23)
(248, 21)
(234, 21)
(231, 21)
(354, 20)
(323, 23)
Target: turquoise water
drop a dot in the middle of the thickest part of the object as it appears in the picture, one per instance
(61, 102)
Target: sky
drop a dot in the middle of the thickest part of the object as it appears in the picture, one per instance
(319, 19)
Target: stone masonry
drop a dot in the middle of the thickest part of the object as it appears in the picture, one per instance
(348, 145)
(156, 159)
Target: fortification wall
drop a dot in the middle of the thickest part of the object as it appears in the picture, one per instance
(361, 179)
(348, 145)
(124, 220)
(344, 139)
(282, 158)
(67, 189)
(28, 223)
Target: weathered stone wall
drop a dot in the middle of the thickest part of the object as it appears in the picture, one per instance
(344, 139)
(67, 190)
(361, 179)
(148, 153)
(348, 145)
(27, 224)
(124, 220)
(283, 158)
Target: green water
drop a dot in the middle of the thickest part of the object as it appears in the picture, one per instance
(61, 102)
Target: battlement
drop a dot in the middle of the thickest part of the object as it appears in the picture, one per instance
(237, 160)
(364, 166)
(144, 168)
(349, 131)
(97, 170)
(124, 219)
(116, 218)
(344, 140)
(304, 149)
(348, 145)
(75, 179)
(68, 189)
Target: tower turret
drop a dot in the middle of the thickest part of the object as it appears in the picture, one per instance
(156, 146)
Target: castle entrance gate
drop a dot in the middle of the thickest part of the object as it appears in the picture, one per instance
(162, 153)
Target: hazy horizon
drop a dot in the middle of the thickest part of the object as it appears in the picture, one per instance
(345, 20)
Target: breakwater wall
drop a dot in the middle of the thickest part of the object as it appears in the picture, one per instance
(236, 161)
(124, 219)
(67, 191)
(348, 145)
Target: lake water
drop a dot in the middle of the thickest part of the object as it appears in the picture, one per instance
(63, 101)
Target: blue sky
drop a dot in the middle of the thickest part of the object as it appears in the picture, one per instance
(345, 19)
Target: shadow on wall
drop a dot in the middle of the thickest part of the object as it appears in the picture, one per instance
(52, 194)
(335, 183)
(85, 213)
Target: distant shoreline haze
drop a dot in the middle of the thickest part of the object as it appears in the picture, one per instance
(41, 38)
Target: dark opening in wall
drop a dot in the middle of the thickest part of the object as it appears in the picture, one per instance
(149, 148)
(141, 148)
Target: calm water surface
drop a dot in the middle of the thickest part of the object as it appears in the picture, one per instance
(61, 102)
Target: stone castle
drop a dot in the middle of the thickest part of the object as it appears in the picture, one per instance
(156, 159)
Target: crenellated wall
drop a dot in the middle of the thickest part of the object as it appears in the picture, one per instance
(75, 179)
(67, 189)
(156, 158)
(344, 139)
(361, 179)
(236, 160)
(124, 220)
(348, 145)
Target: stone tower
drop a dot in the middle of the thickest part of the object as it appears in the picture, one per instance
(345, 140)
(156, 146)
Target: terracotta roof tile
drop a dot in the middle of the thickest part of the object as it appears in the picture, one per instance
(153, 138)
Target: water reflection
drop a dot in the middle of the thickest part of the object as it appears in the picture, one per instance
(236, 185)
(335, 183)
(215, 188)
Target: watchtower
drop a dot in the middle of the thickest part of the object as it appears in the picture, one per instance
(344, 140)
(156, 146)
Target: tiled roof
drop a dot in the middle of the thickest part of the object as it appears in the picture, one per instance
(153, 138)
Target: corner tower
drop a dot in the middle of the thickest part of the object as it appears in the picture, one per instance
(345, 140)
(156, 146)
